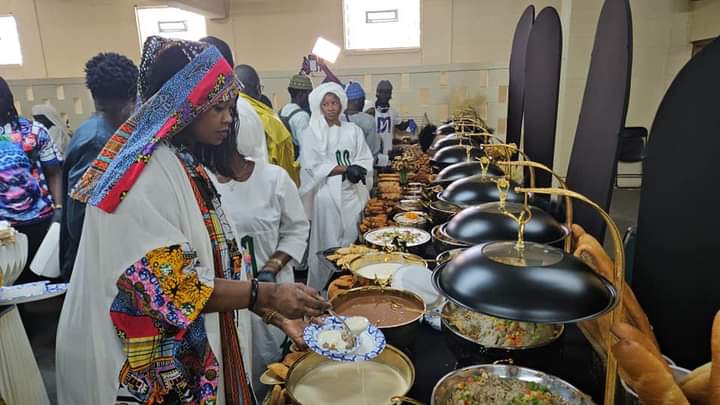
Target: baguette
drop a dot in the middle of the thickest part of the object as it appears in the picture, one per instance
(714, 386)
(626, 331)
(647, 376)
(696, 385)
(589, 250)
(577, 232)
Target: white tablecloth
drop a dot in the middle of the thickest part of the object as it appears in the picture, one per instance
(20, 378)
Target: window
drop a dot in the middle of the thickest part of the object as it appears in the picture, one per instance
(10, 53)
(381, 24)
(170, 22)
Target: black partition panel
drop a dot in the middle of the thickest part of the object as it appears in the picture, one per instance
(593, 160)
(516, 86)
(542, 83)
(677, 266)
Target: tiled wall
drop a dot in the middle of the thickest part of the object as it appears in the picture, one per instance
(69, 96)
(436, 91)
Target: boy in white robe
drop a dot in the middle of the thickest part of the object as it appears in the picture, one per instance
(335, 162)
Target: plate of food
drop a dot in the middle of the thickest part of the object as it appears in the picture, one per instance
(503, 384)
(344, 255)
(411, 218)
(492, 332)
(331, 339)
(387, 236)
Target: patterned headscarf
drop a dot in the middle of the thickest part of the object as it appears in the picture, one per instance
(206, 80)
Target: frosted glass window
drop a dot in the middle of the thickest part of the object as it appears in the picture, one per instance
(10, 53)
(170, 22)
(381, 24)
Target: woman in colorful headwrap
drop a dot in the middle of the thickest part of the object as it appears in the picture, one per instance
(155, 305)
(335, 162)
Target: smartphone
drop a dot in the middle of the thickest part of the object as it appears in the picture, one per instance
(313, 62)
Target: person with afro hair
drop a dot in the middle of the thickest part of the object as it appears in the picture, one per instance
(112, 81)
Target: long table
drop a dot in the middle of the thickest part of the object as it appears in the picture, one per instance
(435, 354)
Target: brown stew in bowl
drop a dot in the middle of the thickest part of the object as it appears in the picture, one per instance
(383, 310)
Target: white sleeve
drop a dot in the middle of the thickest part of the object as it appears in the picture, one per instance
(314, 167)
(395, 117)
(294, 225)
(363, 157)
(298, 123)
(373, 139)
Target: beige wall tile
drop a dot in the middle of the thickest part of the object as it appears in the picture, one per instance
(501, 126)
(503, 94)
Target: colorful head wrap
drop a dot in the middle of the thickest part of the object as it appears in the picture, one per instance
(300, 82)
(354, 91)
(206, 80)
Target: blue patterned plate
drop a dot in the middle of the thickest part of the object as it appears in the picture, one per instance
(368, 346)
(51, 290)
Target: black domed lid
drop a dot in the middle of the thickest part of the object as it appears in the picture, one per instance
(536, 284)
(486, 223)
(446, 129)
(455, 154)
(452, 140)
(476, 190)
(465, 169)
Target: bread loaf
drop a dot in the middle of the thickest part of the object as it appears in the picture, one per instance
(625, 331)
(715, 368)
(696, 385)
(589, 250)
(647, 375)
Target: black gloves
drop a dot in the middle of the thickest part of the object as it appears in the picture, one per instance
(355, 174)
(266, 276)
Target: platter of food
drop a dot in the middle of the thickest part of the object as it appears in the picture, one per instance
(491, 332)
(315, 380)
(495, 384)
(343, 256)
(414, 219)
(331, 340)
(387, 236)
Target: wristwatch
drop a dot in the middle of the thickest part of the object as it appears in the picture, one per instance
(278, 262)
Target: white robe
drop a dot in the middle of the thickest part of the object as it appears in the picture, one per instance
(334, 206)
(266, 208)
(160, 210)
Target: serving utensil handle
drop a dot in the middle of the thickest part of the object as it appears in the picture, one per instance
(399, 400)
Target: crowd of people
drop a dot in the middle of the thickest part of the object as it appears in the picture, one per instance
(185, 205)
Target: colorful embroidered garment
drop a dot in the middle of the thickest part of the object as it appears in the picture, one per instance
(157, 314)
(25, 148)
(205, 81)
